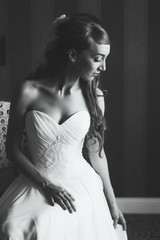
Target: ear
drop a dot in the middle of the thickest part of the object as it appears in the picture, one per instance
(72, 55)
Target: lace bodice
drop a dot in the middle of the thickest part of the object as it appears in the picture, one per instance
(56, 149)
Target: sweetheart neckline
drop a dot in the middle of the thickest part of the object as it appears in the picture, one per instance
(59, 124)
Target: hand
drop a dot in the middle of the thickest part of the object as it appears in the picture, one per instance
(56, 194)
(118, 217)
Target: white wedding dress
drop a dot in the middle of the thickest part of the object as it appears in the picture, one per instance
(56, 151)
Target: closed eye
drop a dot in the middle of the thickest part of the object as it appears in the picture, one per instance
(97, 60)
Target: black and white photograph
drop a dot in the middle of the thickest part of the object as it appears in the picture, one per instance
(79, 120)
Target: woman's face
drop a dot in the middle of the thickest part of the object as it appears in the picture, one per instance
(91, 62)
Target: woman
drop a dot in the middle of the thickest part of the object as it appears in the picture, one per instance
(58, 195)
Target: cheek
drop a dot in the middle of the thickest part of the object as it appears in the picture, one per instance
(87, 66)
(86, 71)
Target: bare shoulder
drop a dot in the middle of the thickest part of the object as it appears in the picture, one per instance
(28, 89)
(24, 96)
(100, 97)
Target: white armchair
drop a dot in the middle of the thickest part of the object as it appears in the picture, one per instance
(7, 171)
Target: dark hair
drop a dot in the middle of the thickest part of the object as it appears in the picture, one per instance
(78, 32)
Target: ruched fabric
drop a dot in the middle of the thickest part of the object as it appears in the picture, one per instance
(56, 151)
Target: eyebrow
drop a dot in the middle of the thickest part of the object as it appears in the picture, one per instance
(103, 55)
(99, 54)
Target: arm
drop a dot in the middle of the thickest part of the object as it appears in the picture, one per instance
(22, 102)
(101, 167)
(19, 106)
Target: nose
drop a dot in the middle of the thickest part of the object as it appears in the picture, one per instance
(103, 66)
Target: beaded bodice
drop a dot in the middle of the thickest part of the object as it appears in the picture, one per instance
(56, 149)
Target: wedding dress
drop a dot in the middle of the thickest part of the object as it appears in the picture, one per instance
(56, 151)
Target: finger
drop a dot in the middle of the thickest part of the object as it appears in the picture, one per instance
(123, 223)
(48, 197)
(60, 202)
(70, 200)
(115, 222)
(50, 200)
(70, 196)
(124, 226)
(73, 207)
(64, 192)
(68, 205)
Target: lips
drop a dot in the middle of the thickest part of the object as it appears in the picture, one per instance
(95, 74)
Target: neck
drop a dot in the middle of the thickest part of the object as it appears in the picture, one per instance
(67, 87)
(64, 82)
(67, 82)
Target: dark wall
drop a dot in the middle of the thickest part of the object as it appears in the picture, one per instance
(142, 174)
(153, 160)
(15, 24)
(113, 19)
(68, 7)
(19, 42)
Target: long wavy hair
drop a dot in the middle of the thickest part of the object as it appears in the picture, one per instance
(78, 32)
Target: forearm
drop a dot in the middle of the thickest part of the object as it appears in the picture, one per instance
(100, 165)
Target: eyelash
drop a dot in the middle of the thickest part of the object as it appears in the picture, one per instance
(97, 60)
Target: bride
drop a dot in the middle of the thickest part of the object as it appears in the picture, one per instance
(58, 194)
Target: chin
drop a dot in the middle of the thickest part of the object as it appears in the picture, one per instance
(89, 79)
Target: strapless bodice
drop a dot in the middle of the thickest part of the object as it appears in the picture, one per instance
(56, 149)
